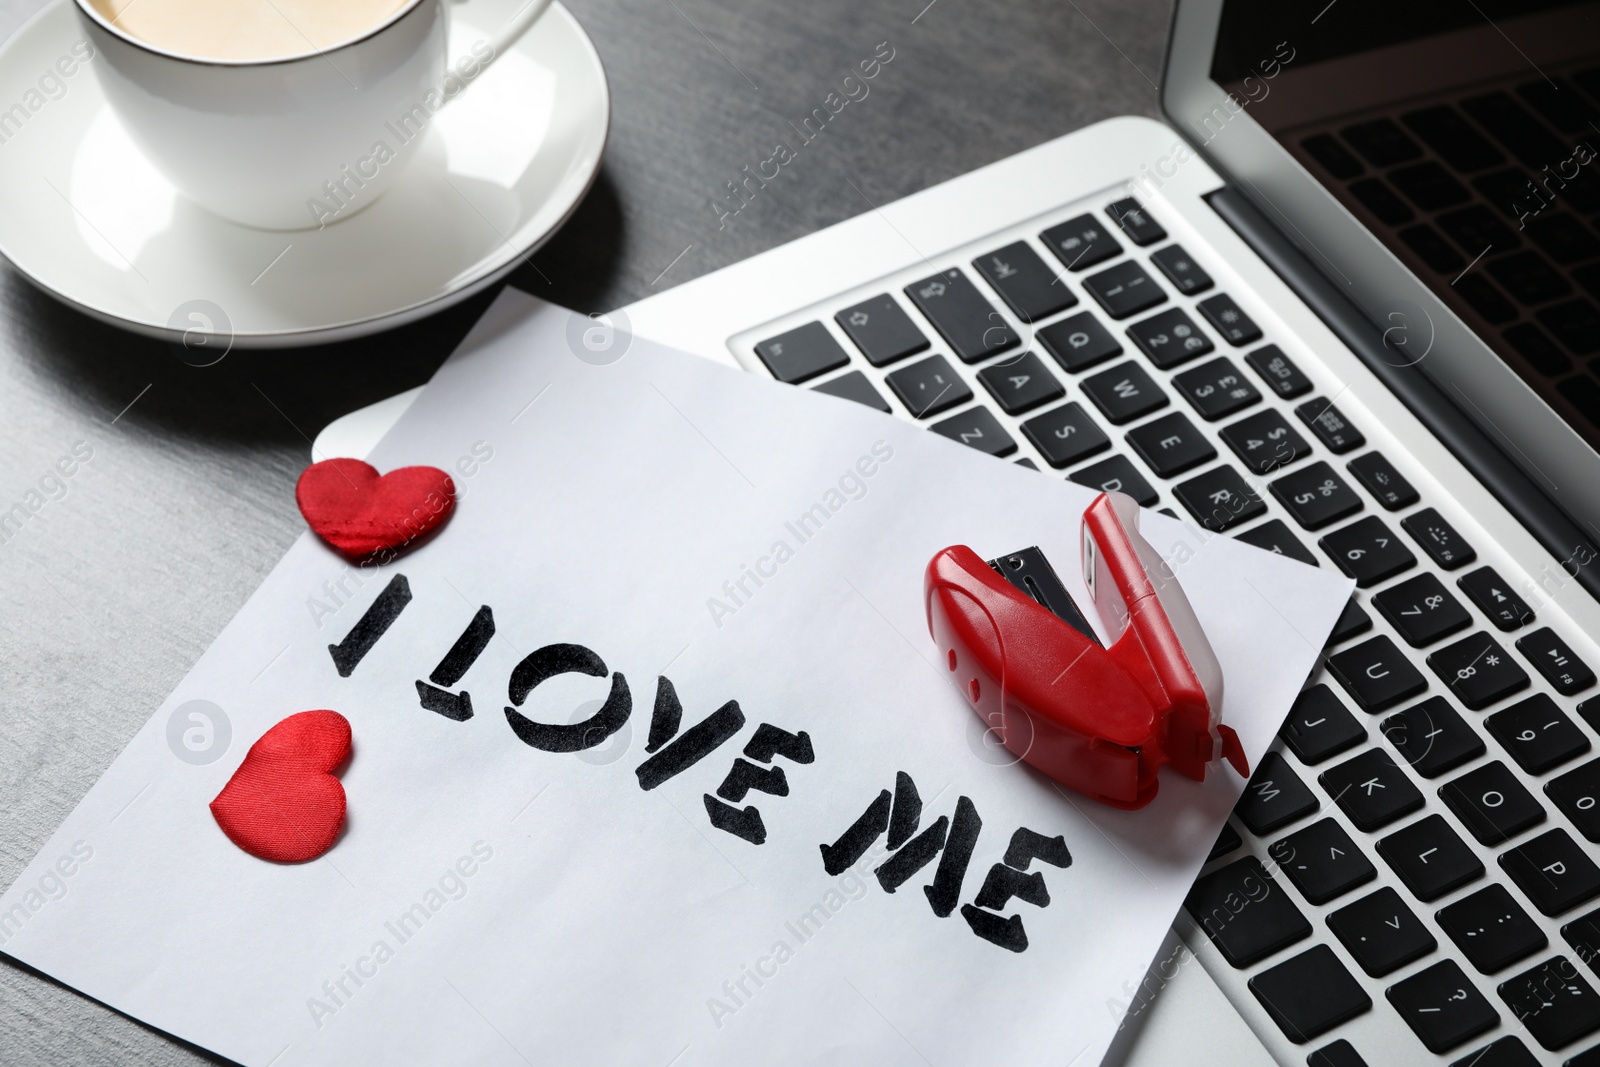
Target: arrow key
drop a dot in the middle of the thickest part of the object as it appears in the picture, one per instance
(1322, 861)
(980, 429)
(1381, 933)
(1496, 598)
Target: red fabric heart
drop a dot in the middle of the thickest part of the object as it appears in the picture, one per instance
(348, 505)
(283, 803)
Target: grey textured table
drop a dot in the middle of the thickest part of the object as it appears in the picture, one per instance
(110, 593)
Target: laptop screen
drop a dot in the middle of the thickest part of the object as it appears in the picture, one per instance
(1466, 138)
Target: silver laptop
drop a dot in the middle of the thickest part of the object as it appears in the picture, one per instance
(1344, 306)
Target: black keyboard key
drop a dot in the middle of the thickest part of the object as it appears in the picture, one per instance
(1478, 671)
(1560, 106)
(1491, 929)
(801, 353)
(929, 386)
(1554, 872)
(1535, 346)
(1066, 435)
(1334, 157)
(1330, 425)
(1078, 342)
(1352, 622)
(1340, 1053)
(1422, 610)
(1229, 320)
(1577, 794)
(1368, 551)
(1381, 142)
(1429, 186)
(1322, 861)
(1432, 738)
(882, 330)
(1216, 388)
(1219, 499)
(1511, 124)
(1453, 138)
(1537, 734)
(1371, 790)
(1492, 803)
(1587, 1058)
(1583, 934)
(1226, 842)
(1181, 270)
(1309, 994)
(1117, 475)
(1124, 393)
(1274, 536)
(1024, 282)
(1319, 726)
(1081, 242)
(1438, 539)
(1528, 277)
(1377, 674)
(1510, 191)
(1265, 441)
(1381, 932)
(1171, 445)
(1442, 1006)
(854, 386)
(1279, 372)
(1316, 496)
(1384, 203)
(1274, 797)
(1554, 1002)
(1563, 237)
(1246, 915)
(1576, 324)
(1020, 383)
(1561, 667)
(1124, 290)
(977, 428)
(1026, 462)
(1430, 858)
(1481, 295)
(1434, 251)
(1495, 598)
(971, 325)
(1507, 1051)
(1170, 338)
(1383, 481)
(1136, 222)
(1476, 230)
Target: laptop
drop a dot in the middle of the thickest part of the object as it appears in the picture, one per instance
(1344, 305)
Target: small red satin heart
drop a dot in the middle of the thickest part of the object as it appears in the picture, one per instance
(357, 511)
(283, 803)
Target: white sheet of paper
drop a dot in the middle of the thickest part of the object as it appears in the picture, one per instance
(558, 912)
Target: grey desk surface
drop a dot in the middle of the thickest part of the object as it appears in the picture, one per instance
(109, 594)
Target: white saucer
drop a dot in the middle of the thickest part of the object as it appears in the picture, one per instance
(86, 218)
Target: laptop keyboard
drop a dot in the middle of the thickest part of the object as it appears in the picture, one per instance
(1417, 841)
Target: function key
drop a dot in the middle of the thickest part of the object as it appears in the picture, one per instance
(1329, 424)
(1219, 499)
(1561, 667)
(801, 353)
(1495, 598)
(1136, 222)
(1438, 539)
(1230, 321)
(1278, 372)
(1020, 384)
(1381, 933)
(1116, 475)
(1124, 290)
(1309, 994)
(882, 330)
(854, 386)
(929, 386)
(1492, 803)
(1274, 536)
(1377, 674)
(1320, 726)
(1368, 551)
(1024, 282)
(1181, 270)
(1081, 242)
(1170, 338)
(1322, 861)
(1442, 1006)
(1491, 929)
(1537, 734)
(1171, 445)
(1078, 342)
(1316, 496)
(1065, 435)
(1216, 389)
(1432, 738)
(1554, 1002)
(1478, 671)
(1371, 790)
(1553, 871)
(1422, 610)
(1274, 797)
(1124, 393)
(1265, 441)
(1577, 794)
(1244, 914)
(962, 316)
(1430, 858)
(1383, 481)
(977, 428)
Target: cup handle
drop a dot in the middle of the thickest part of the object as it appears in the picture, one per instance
(517, 25)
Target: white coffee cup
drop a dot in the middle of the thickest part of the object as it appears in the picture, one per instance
(265, 142)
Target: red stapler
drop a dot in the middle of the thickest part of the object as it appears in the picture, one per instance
(1101, 719)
